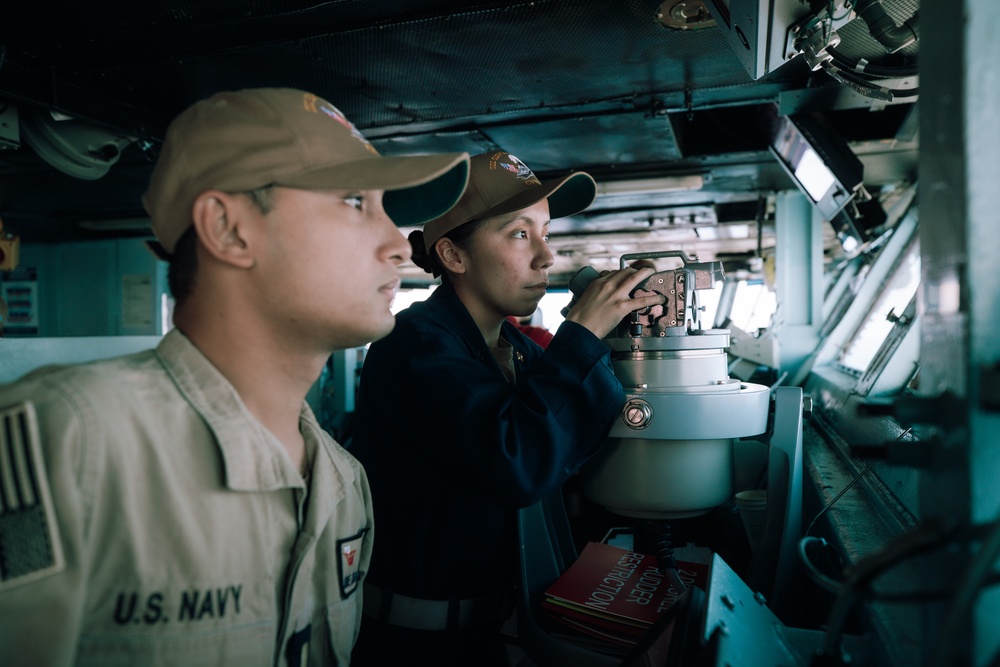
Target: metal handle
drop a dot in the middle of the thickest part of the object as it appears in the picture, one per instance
(653, 255)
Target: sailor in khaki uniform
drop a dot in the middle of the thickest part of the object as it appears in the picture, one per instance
(182, 506)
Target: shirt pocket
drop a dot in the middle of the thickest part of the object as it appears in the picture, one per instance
(251, 644)
(343, 620)
(216, 622)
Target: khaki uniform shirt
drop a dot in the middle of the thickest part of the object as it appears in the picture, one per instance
(187, 535)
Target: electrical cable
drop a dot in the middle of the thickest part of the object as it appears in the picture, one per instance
(868, 69)
(856, 83)
(661, 538)
(813, 549)
(925, 537)
(832, 6)
(859, 74)
(807, 542)
(822, 579)
(975, 575)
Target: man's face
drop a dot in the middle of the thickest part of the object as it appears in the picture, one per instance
(328, 270)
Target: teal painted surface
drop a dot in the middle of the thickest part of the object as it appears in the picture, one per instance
(98, 288)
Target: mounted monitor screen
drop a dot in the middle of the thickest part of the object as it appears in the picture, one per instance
(820, 162)
(813, 175)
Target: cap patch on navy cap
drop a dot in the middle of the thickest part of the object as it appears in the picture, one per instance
(30, 547)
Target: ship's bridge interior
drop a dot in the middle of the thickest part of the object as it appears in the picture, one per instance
(811, 179)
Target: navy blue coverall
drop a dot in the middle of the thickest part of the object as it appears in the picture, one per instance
(452, 449)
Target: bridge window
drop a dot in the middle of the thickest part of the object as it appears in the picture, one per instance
(861, 348)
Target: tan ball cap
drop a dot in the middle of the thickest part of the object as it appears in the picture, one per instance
(500, 183)
(247, 139)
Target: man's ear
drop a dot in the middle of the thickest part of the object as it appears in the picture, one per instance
(452, 257)
(220, 221)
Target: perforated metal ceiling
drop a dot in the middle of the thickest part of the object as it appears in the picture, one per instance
(585, 84)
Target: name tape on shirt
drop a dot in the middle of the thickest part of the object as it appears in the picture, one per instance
(30, 546)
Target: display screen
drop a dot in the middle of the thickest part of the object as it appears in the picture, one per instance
(814, 176)
(821, 164)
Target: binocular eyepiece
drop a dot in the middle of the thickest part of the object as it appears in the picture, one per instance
(578, 284)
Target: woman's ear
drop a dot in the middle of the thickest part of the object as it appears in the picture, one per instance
(452, 257)
(220, 220)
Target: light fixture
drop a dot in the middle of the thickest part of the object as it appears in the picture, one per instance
(649, 186)
(75, 148)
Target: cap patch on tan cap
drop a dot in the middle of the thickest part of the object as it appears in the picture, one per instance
(499, 183)
(515, 166)
(309, 101)
(237, 141)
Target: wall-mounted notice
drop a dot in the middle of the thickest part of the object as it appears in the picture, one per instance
(19, 291)
(137, 300)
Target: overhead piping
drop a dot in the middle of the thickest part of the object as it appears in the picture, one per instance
(817, 42)
(884, 29)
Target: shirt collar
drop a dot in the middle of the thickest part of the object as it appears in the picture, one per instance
(445, 301)
(254, 459)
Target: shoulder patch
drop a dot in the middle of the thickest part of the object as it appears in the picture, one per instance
(30, 547)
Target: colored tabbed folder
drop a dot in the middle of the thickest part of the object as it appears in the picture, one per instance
(611, 596)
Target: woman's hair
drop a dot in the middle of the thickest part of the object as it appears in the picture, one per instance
(183, 269)
(429, 261)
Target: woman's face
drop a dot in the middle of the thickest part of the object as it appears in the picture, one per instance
(506, 264)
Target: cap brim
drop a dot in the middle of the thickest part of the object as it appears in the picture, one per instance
(417, 188)
(567, 196)
(416, 204)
